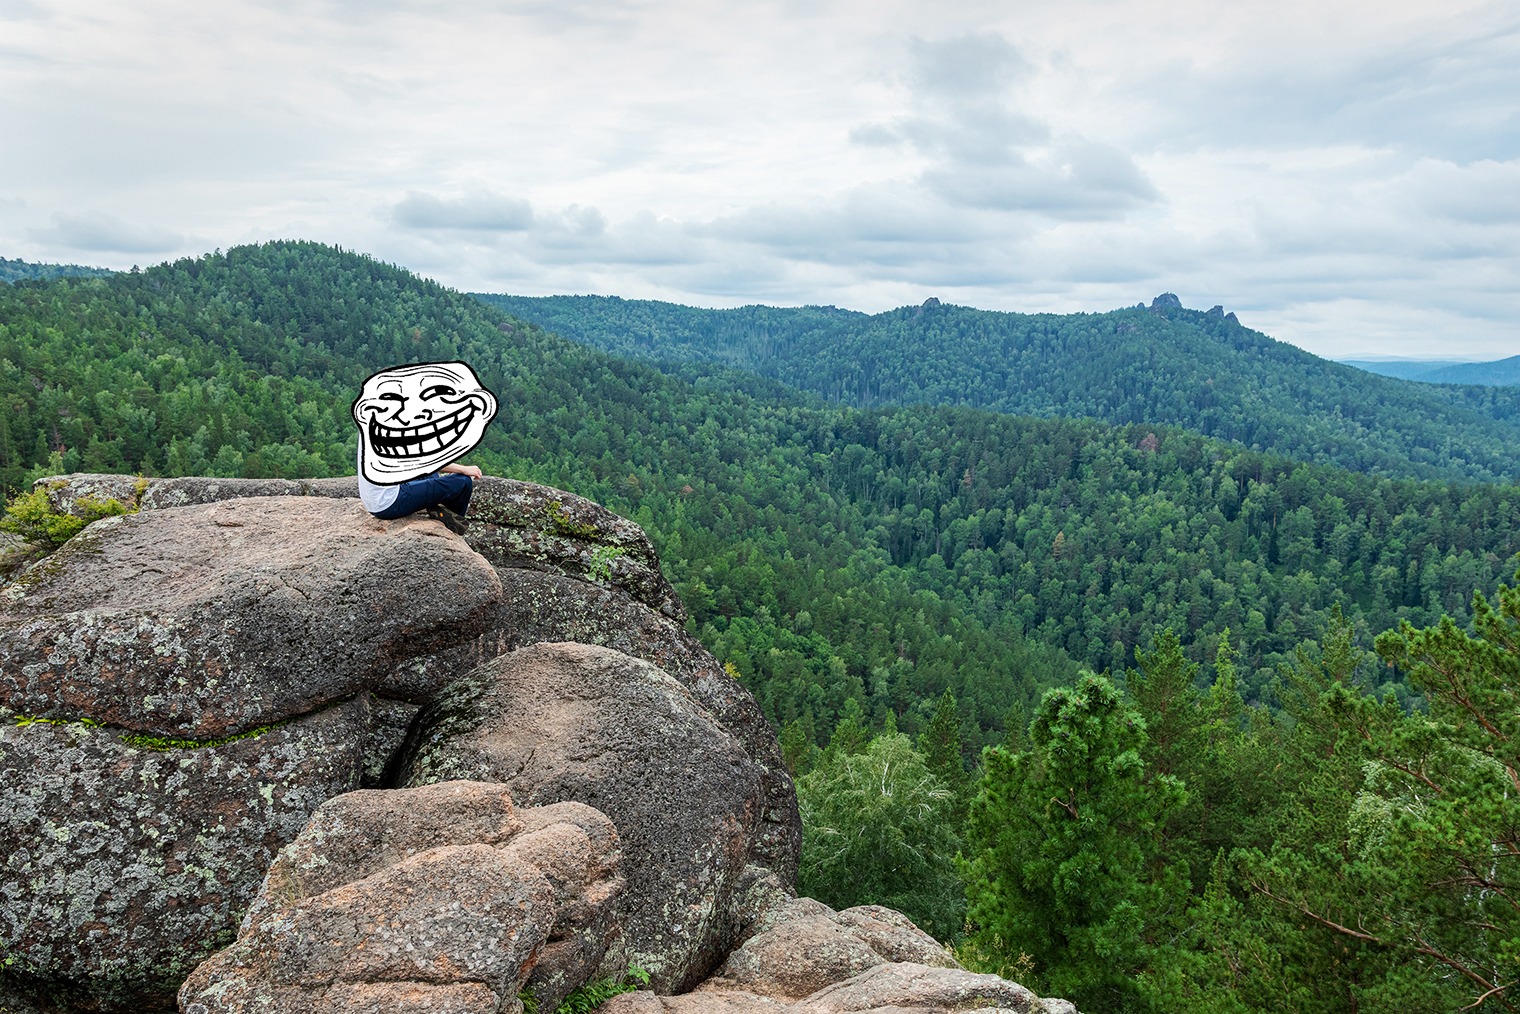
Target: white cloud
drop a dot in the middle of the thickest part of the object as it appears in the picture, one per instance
(481, 211)
(1346, 175)
(100, 232)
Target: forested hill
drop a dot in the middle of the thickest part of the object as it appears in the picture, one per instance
(16, 270)
(884, 554)
(936, 570)
(1158, 365)
(1504, 372)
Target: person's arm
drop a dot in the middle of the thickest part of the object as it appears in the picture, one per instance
(469, 470)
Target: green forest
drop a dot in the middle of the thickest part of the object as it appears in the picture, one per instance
(1121, 669)
(1159, 365)
(15, 270)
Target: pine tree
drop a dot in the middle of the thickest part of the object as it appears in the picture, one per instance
(850, 735)
(941, 746)
(1164, 689)
(1065, 836)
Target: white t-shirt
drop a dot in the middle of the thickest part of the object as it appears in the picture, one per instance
(376, 498)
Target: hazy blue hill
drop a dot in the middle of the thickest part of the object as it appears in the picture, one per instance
(12, 271)
(1135, 366)
(1504, 371)
(1404, 369)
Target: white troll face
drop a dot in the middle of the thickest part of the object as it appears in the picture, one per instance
(415, 419)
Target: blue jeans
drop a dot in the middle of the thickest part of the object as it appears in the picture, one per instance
(450, 489)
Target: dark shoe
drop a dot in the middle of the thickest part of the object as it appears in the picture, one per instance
(453, 522)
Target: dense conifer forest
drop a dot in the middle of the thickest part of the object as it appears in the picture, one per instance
(1093, 701)
(15, 270)
(1161, 364)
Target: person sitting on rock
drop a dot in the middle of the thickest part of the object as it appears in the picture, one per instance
(415, 422)
(444, 495)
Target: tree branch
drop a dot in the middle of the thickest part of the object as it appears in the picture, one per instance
(1423, 947)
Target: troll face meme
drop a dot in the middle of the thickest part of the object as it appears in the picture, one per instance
(415, 419)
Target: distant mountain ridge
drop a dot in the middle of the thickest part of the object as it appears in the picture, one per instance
(1496, 373)
(1157, 365)
(17, 270)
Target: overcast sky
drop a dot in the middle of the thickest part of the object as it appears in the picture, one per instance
(1345, 175)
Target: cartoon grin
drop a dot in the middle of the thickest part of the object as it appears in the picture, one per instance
(429, 438)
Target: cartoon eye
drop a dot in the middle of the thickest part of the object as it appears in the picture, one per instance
(439, 391)
(391, 397)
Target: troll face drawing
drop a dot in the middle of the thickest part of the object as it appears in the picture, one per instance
(417, 418)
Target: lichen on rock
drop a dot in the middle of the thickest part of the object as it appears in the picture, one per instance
(124, 867)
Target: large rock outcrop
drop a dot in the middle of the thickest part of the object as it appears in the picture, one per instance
(209, 620)
(570, 570)
(180, 679)
(226, 616)
(443, 897)
(573, 721)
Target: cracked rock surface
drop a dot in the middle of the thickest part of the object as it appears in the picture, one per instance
(443, 897)
(559, 722)
(124, 867)
(206, 621)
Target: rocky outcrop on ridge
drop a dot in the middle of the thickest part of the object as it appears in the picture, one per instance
(570, 570)
(576, 721)
(182, 675)
(190, 695)
(443, 897)
(207, 621)
(182, 686)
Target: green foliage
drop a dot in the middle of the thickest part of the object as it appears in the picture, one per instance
(602, 559)
(941, 747)
(1432, 836)
(158, 744)
(1168, 366)
(1065, 839)
(18, 270)
(851, 735)
(879, 829)
(1379, 877)
(20, 720)
(1196, 737)
(592, 995)
(921, 545)
(30, 516)
(798, 751)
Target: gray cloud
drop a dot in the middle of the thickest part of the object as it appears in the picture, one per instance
(1347, 176)
(986, 153)
(1451, 90)
(481, 212)
(99, 231)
